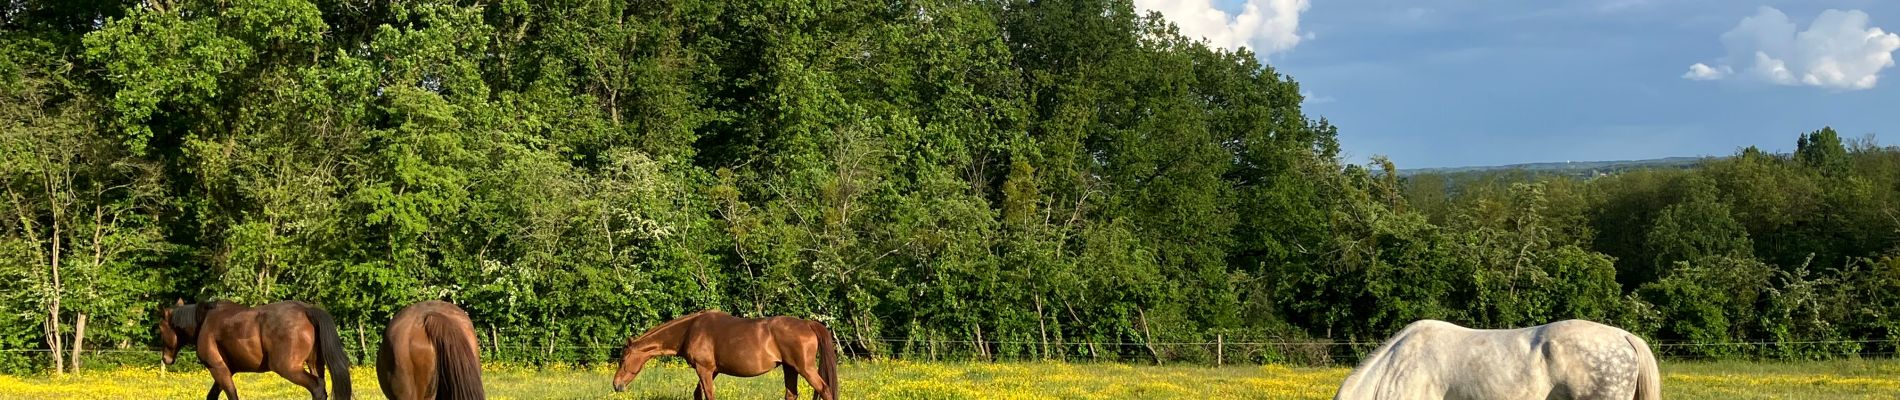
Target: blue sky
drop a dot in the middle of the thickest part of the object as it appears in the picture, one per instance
(1436, 83)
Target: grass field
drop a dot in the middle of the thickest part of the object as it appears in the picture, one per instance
(905, 380)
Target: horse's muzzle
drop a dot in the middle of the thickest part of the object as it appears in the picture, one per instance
(620, 388)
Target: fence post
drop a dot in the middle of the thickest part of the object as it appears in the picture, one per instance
(1220, 349)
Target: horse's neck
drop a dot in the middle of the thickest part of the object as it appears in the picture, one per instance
(665, 340)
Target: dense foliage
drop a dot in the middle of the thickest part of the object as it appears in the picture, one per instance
(1052, 178)
(1775, 251)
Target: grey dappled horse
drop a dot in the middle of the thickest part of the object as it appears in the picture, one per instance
(1573, 359)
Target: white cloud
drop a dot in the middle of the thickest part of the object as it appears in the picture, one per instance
(1838, 51)
(1266, 26)
(1703, 72)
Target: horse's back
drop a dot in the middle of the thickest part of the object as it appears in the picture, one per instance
(435, 307)
(787, 325)
(249, 338)
(285, 315)
(1572, 359)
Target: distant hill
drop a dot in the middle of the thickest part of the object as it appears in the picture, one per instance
(1567, 168)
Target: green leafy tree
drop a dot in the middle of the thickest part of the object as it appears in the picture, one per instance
(1697, 227)
(80, 216)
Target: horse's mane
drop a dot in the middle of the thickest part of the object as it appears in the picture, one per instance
(188, 318)
(668, 326)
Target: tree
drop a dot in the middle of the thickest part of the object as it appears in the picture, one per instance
(1697, 227)
(1822, 151)
(82, 211)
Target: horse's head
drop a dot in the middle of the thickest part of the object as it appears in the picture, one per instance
(633, 358)
(177, 326)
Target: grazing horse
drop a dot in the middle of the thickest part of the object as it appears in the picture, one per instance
(718, 343)
(282, 337)
(429, 352)
(1573, 359)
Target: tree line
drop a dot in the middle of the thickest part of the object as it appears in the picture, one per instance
(1047, 178)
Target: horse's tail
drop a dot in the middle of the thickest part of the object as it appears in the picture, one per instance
(827, 361)
(458, 366)
(1648, 376)
(331, 351)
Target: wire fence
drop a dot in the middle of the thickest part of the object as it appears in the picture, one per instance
(1216, 352)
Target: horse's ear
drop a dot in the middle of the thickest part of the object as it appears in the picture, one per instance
(181, 301)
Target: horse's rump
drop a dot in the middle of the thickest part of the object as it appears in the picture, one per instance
(430, 348)
(458, 363)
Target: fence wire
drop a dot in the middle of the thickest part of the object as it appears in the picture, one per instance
(1191, 352)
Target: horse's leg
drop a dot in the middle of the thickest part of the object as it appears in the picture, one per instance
(706, 382)
(791, 383)
(818, 384)
(294, 372)
(221, 381)
(316, 368)
(806, 364)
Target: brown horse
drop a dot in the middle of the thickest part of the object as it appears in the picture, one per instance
(718, 343)
(429, 352)
(282, 337)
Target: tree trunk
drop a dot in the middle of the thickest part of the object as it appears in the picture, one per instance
(870, 347)
(52, 340)
(1148, 337)
(79, 340)
(52, 313)
(1042, 327)
(981, 349)
(1094, 353)
(361, 343)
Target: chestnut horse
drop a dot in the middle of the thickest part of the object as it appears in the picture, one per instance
(716, 343)
(429, 352)
(282, 337)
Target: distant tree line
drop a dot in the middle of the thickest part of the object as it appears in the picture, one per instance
(1049, 178)
(1776, 250)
